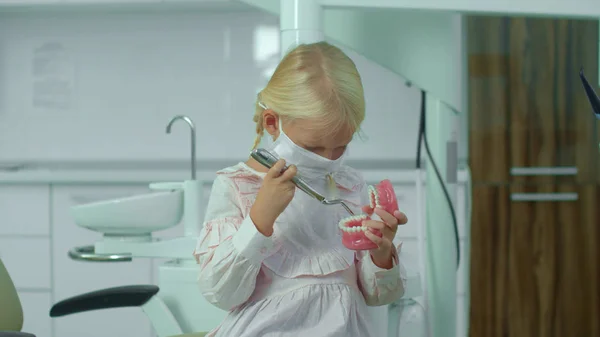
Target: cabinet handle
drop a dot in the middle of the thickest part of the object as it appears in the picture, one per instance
(544, 196)
(543, 171)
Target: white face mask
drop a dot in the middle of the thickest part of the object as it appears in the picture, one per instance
(308, 163)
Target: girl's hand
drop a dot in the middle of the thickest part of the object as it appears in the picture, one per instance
(275, 194)
(382, 255)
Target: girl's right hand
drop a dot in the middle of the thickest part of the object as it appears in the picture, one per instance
(275, 194)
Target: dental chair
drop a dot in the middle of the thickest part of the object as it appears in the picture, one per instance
(11, 311)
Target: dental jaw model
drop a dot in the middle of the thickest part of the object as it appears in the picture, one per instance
(353, 232)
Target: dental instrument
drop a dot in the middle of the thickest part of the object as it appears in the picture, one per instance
(267, 159)
(591, 94)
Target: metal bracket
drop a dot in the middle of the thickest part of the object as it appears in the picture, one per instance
(88, 254)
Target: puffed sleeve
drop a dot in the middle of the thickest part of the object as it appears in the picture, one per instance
(379, 286)
(230, 249)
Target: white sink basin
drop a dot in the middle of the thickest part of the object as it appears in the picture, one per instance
(136, 215)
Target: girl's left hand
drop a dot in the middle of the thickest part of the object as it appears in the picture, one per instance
(382, 255)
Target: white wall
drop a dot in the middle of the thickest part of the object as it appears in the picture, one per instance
(120, 77)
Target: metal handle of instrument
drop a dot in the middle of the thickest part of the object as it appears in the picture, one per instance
(544, 197)
(12, 168)
(87, 253)
(268, 159)
(544, 171)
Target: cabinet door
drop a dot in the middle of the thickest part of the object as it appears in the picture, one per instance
(527, 107)
(71, 278)
(534, 269)
(24, 210)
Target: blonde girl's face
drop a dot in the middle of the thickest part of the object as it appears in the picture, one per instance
(311, 135)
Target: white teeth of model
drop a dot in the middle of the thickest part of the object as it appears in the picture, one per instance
(354, 229)
(343, 224)
(373, 201)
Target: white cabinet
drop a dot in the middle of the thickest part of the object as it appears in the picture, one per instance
(27, 259)
(407, 234)
(28, 2)
(110, 2)
(72, 278)
(65, 2)
(24, 210)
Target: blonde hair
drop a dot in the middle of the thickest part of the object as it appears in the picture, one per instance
(314, 81)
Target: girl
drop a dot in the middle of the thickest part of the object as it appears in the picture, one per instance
(274, 258)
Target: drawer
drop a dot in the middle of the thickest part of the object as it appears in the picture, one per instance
(36, 312)
(407, 202)
(24, 210)
(27, 261)
(409, 253)
(410, 259)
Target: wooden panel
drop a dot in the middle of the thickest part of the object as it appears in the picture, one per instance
(534, 269)
(489, 264)
(527, 105)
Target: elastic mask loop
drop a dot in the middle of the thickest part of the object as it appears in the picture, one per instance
(262, 105)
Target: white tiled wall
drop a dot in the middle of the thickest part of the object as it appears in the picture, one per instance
(121, 76)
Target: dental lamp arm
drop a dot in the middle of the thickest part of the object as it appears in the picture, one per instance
(230, 249)
(591, 94)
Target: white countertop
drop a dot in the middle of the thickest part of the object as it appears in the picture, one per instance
(96, 176)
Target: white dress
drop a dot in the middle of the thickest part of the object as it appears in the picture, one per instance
(282, 286)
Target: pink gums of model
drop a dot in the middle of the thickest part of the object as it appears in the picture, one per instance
(353, 232)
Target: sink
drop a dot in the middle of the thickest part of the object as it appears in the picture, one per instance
(135, 215)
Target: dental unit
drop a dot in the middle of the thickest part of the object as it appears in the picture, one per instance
(127, 225)
(415, 39)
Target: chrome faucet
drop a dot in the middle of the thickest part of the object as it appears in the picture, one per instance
(193, 140)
